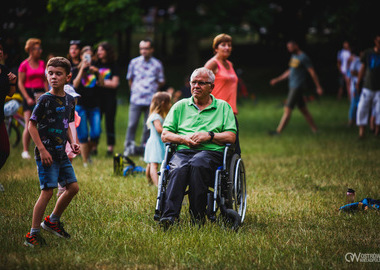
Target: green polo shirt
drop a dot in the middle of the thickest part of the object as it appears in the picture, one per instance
(185, 118)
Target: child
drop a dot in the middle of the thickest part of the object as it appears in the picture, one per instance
(49, 129)
(154, 149)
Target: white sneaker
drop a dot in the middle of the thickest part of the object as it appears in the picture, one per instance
(25, 155)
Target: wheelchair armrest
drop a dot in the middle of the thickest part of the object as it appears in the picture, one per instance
(172, 146)
(229, 150)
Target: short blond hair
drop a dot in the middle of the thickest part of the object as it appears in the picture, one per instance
(31, 42)
(219, 39)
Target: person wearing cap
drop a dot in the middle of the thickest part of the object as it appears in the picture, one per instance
(74, 53)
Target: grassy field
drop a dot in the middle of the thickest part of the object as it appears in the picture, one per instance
(296, 183)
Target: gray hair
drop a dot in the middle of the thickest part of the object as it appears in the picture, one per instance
(203, 70)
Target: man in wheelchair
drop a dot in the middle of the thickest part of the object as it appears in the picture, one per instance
(201, 126)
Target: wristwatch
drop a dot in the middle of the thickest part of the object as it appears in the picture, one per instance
(212, 134)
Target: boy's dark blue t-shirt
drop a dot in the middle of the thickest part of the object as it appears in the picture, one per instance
(52, 115)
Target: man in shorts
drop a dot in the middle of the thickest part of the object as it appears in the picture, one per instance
(299, 66)
(369, 73)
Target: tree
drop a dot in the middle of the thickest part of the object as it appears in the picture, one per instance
(193, 20)
(92, 20)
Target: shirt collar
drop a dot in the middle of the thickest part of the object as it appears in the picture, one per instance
(143, 59)
(211, 106)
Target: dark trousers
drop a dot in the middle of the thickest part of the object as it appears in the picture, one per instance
(108, 108)
(195, 169)
(135, 112)
(4, 144)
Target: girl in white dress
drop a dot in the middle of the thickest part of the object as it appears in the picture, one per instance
(155, 149)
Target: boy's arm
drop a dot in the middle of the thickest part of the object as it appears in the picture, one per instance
(46, 158)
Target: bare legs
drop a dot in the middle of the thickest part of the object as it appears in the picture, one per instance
(25, 134)
(152, 173)
(362, 131)
(65, 199)
(62, 202)
(286, 117)
(40, 207)
(85, 151)
(309, 119)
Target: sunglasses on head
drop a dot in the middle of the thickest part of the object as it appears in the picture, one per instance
(74, 42)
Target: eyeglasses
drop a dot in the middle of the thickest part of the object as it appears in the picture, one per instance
(74, 42)
(200, 83)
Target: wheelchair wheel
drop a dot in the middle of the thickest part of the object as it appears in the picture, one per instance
(237, 193)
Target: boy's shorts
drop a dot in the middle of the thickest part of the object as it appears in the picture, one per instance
(61, 172)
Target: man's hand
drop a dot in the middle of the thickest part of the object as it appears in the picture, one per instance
(46, 158)
(188, 141)
(273, 81)
(319, 91)
(76, 148)
(200, 137)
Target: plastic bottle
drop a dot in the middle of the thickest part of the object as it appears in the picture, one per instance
(350, 195)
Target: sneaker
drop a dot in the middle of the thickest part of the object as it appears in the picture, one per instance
(54, 227)
(34, 240)
(273, 133)
(25, 155)
(129, 149)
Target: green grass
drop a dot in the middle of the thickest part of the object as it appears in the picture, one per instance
(296, 182)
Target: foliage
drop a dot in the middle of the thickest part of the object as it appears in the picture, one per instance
(96, 19)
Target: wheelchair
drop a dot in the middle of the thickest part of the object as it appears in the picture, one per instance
(229, 193)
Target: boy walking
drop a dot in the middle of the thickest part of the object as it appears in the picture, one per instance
(50, 130)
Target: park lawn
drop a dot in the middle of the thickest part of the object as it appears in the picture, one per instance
(296, 182)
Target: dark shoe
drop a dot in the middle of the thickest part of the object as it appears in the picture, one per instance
(109, 153)
(34, 240)
(55, 228)
(166, 222)
(273, 133)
